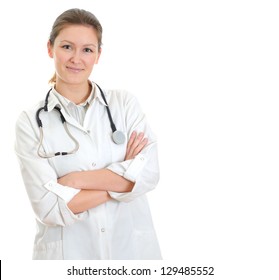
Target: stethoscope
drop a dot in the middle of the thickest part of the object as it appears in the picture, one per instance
(118, 137)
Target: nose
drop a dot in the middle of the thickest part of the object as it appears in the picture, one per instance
(75, 57)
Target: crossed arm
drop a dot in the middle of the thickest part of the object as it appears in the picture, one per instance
(95, 184)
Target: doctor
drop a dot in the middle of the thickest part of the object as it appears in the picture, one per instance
(86, 189)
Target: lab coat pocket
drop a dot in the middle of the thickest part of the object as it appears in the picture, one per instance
(48, 251)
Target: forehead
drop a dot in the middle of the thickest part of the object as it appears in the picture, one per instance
(78, 33)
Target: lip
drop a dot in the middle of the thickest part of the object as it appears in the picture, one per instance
(74, 69)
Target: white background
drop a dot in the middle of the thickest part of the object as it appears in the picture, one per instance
(206, 74)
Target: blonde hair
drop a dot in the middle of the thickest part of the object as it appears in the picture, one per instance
(74, 16)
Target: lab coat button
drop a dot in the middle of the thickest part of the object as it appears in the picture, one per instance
(103, 230)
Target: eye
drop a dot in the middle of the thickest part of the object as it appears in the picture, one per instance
(66, 47)
(88, 50)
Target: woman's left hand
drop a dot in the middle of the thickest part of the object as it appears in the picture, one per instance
(135, 145)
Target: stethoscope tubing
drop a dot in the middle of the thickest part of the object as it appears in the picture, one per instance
(118, 137)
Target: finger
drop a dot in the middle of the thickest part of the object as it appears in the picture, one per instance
(135, 145)
(140, 146)
(131, 140)
(136, 142)
(137, 149)
(129, 145)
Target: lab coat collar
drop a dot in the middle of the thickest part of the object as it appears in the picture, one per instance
(54, 101)
(97, 94)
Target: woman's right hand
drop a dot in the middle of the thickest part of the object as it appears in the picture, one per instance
(135, 145)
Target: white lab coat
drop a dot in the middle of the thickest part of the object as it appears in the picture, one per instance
(118, 229)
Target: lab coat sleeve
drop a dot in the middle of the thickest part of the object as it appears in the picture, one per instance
(48, 198)
(143, 170)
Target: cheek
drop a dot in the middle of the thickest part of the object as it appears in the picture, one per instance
(91, 62)
(59, 57)
(57, 62)
(93, 58)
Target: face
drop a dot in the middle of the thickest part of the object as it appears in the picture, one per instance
(75, 51)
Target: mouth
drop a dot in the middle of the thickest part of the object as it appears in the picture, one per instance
(74, 69)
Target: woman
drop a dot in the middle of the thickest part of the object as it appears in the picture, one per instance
(89, 203)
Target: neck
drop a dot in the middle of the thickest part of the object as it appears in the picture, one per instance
(76, 93)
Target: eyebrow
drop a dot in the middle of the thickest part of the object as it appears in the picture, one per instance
(85, 45)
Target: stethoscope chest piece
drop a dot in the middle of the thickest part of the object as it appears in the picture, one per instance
(118, 137)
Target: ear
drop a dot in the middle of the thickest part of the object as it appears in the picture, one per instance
(49, 49)
(99, 54)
